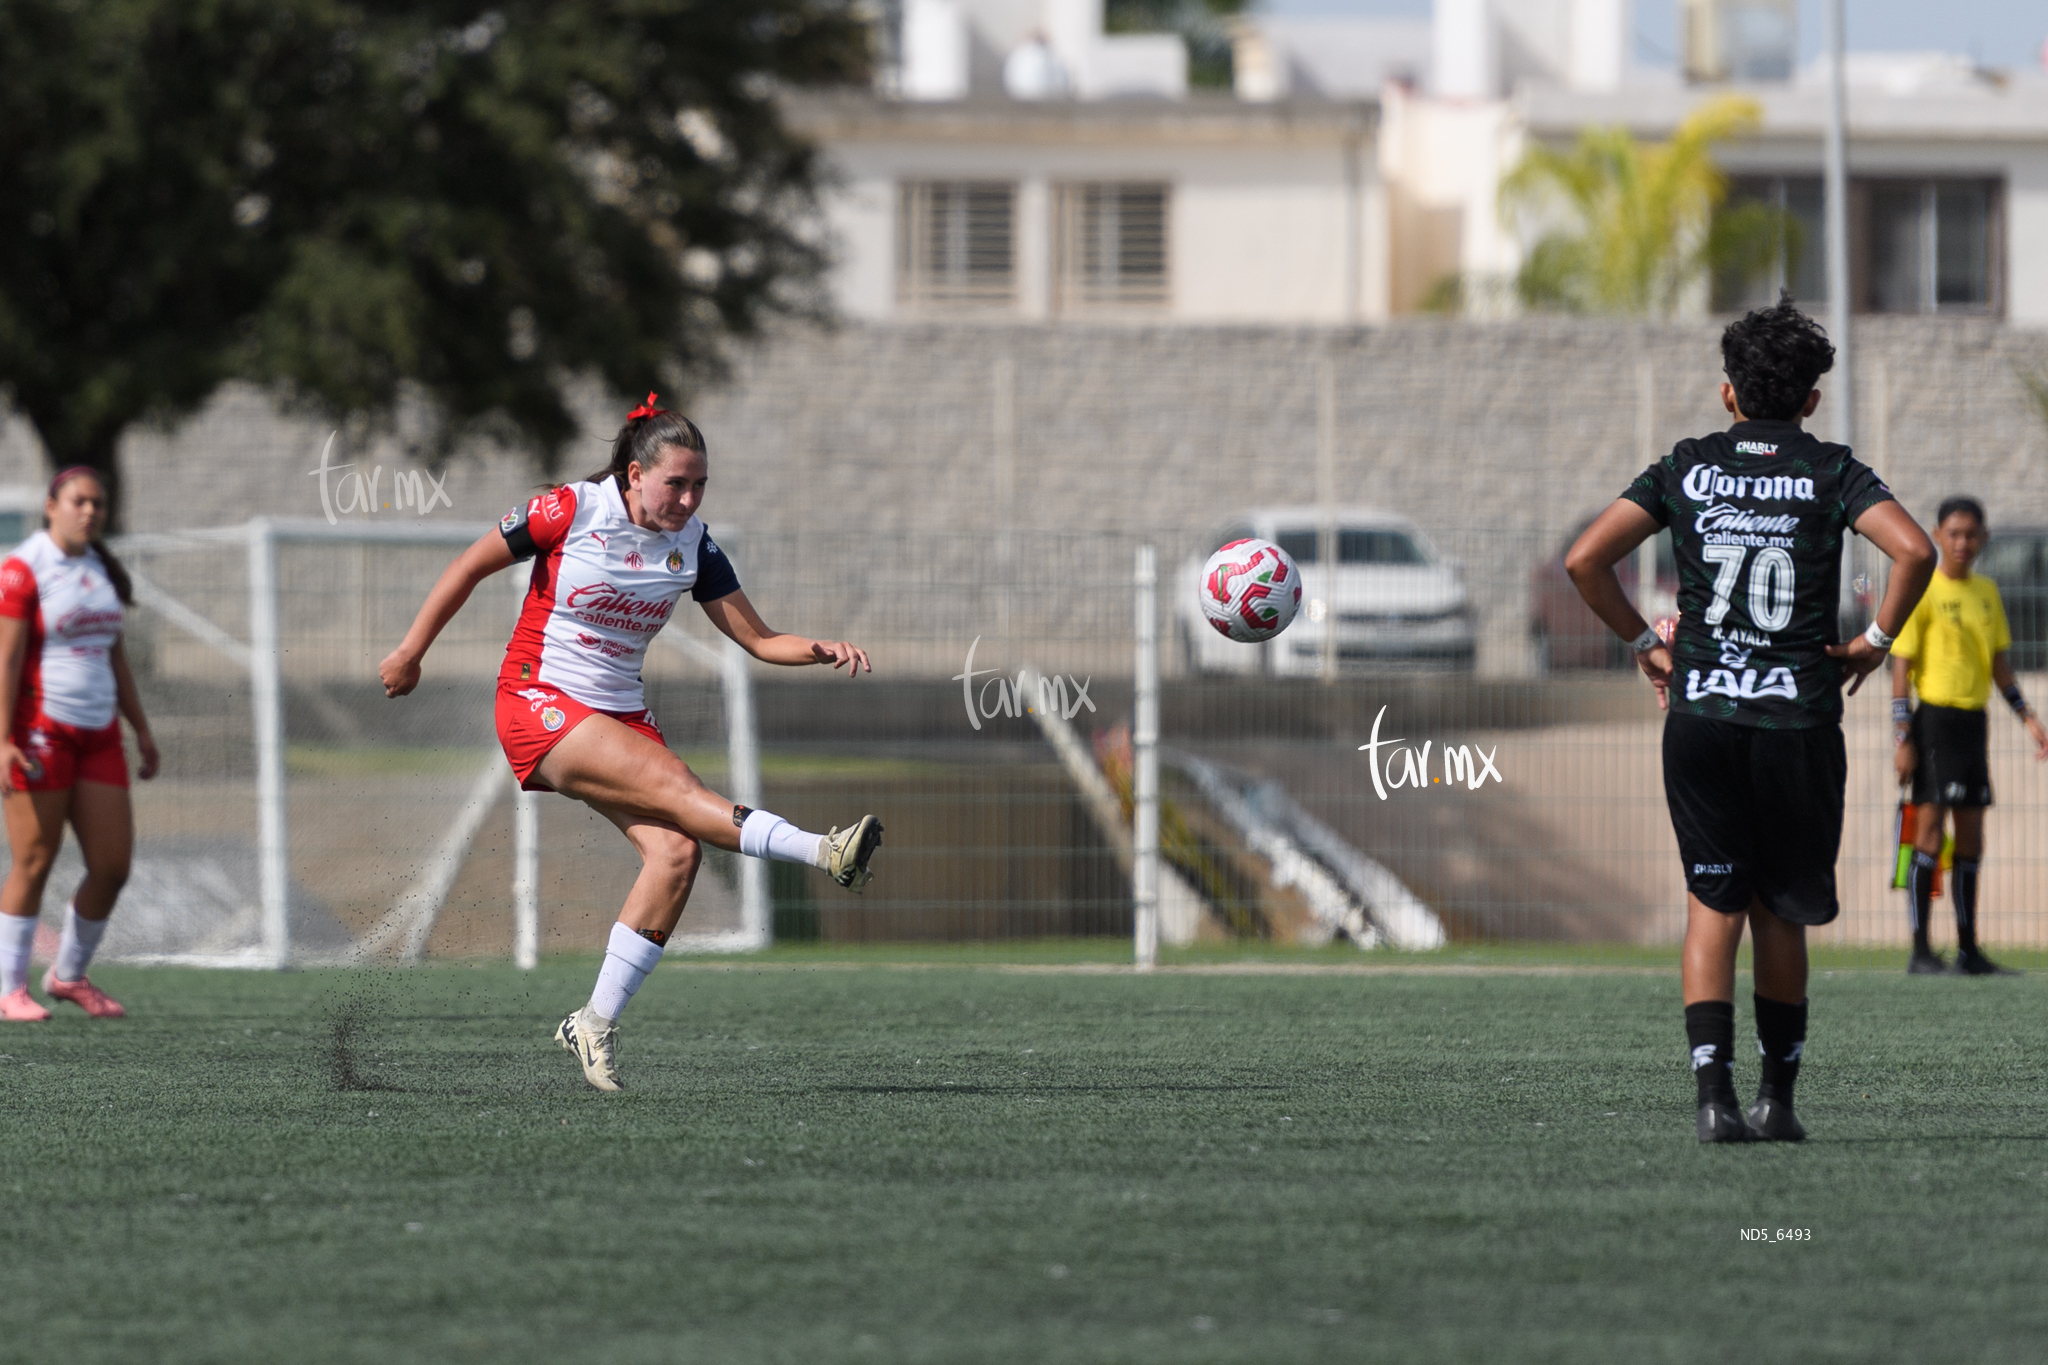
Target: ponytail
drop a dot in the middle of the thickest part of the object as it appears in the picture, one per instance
(117, 573)
(647, 432)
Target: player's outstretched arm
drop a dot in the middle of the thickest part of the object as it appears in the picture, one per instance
(400, 671)
(735, 616)
(1613, 536)
(1888, 526)
(2009, 687)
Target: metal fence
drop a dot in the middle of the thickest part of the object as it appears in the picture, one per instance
(994, 740)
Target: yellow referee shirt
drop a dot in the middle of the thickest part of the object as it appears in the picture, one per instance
(1951, 638)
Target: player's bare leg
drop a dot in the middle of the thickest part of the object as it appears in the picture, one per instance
(104, 821)
(612, 766)
(669, 860)
(35, 831)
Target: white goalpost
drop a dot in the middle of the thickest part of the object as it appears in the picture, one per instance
(294, 654)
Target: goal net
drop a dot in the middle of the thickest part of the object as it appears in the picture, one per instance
(301, 817)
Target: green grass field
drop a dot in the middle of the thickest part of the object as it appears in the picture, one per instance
(829, 1158)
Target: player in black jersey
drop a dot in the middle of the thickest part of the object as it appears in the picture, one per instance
(1754, 766)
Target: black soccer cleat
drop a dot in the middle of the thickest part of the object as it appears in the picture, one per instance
(1772, 1120)
(1976, 964)
(1926, 964)
(1720, 1121)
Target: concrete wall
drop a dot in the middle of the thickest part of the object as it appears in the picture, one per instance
(1524, 425)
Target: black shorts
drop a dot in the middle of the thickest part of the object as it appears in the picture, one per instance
(1758, 814)
(1951, 766)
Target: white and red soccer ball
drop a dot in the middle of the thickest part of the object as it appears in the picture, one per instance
(1250, 590)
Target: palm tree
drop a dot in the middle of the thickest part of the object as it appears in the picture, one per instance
(1641, 223)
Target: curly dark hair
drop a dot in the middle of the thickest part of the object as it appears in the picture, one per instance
(1960, 503)
(1773, 356)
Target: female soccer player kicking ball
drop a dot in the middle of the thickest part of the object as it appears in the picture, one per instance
(1754, 766)
(612, 554)
(62, 678)
(1954, 647)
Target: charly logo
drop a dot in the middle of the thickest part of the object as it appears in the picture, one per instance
(1019, 696)
(1755, 448)
(1466, 763)
(1707, 481)
(359, 492)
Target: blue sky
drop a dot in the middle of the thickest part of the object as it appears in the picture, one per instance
(2006, 33)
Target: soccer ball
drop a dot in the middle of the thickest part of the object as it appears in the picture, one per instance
(1250, 590)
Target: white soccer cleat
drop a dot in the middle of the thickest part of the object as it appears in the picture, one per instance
(849, 849)
(595, 1041)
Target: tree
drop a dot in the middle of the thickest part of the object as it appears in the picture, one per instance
(1641, 225)
(351, 202)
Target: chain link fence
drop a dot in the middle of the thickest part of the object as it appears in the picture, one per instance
(1510, 789)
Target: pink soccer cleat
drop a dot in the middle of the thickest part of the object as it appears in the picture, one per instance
(83, 994)
(19, 1007)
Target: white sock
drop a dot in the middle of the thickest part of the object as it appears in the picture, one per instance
(17, 937)
(81, 940)
(767, 835)
(628, 958)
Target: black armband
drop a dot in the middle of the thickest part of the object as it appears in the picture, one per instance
(2015, 700)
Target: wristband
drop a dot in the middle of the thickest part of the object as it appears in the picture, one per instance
(1877, 638)
(2016, 701)
(1902, 712)
(1647, 641)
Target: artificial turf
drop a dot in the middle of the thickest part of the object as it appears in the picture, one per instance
(826, 1160)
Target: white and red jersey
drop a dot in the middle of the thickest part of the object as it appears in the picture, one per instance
(601, 588)
(74, 620)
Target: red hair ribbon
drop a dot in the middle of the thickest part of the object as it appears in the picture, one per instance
(646, 409)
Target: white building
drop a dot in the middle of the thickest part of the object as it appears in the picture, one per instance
(1196, 210)
(1020, 163)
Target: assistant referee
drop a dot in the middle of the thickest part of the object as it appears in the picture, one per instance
(1953, 647)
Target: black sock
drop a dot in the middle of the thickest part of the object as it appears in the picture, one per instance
(1962, 886)
(1920, 896)
(1781, 1038)
(1710, 1032)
